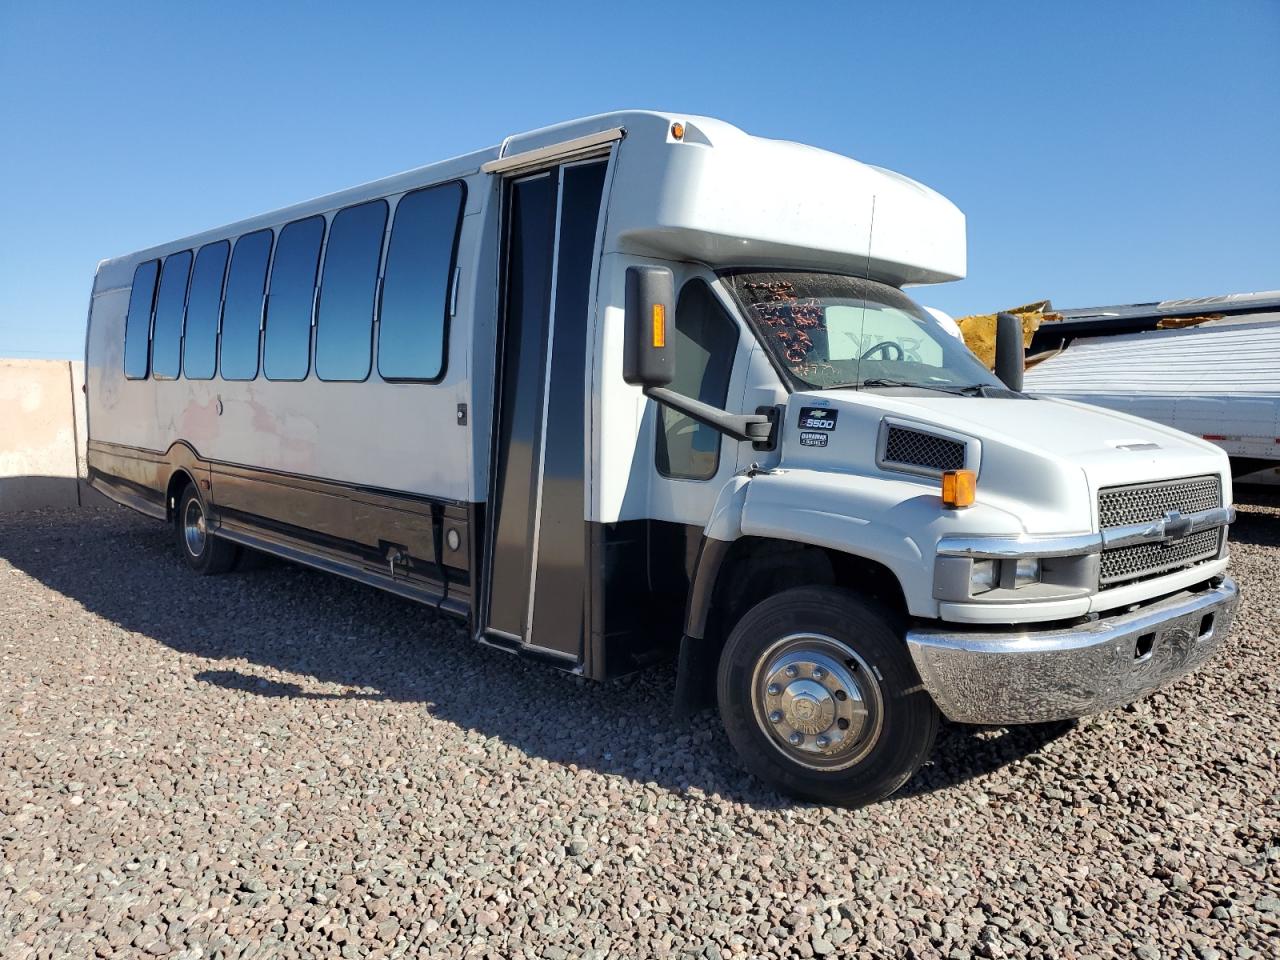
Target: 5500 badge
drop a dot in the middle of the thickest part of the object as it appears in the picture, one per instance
(818, 418)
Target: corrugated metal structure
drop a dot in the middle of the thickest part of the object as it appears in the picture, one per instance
(1218, 379)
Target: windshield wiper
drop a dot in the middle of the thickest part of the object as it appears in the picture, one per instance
(967, 390)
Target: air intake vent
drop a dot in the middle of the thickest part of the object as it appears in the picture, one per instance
(925, 451)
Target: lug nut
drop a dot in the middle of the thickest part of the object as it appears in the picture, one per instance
(774, 690)
(823, 742)
(818, 673)
(792, 672)
(775, 717)
(796, 739)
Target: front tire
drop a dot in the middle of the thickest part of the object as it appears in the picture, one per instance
(203, 552)
(820, 698)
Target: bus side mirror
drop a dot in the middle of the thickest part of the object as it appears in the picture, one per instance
(1010, 353)
(648, 361)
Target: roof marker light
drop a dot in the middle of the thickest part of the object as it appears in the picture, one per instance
(677, 130)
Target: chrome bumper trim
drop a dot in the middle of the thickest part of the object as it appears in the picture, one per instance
(1007, 548)
(1029, 676)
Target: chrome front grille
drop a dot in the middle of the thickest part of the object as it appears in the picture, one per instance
(1148, 503)
(913, 448)
(1126, 564)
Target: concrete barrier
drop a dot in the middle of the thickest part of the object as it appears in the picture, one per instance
(42, 435)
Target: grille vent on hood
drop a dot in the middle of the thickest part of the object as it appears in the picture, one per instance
(925, 451)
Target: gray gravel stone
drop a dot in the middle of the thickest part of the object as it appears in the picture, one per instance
(278, 763)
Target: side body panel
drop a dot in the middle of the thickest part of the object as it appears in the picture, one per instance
(374, 479)
(394, 436)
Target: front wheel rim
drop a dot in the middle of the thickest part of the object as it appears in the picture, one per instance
(818, 701)
(194, 529)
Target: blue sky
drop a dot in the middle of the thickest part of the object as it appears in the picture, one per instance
(1103, 152)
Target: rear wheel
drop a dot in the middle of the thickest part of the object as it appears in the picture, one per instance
(821, 700)
(203, 552)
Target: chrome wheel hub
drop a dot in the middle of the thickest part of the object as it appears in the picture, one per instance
(818, 701)
(193, 528)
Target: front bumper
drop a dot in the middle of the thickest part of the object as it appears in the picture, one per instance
(1031, 676)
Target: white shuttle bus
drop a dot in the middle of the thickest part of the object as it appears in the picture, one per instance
(640, 386)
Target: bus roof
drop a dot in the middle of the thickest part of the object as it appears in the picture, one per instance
(717, 195)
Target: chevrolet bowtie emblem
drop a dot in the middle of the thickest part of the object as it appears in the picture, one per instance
(1176, 526)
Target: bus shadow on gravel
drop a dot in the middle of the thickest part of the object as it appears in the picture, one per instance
(339, 640)
(1257, 516)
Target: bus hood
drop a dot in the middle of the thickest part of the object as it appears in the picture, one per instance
(1043, 453)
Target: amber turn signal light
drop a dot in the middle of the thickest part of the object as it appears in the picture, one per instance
(677, 131)
(659, 325)
(959, 488)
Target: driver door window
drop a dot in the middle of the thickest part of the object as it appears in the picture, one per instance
(705, 341)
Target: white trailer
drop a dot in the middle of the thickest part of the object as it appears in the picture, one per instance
(1219, 380)
(640, 385)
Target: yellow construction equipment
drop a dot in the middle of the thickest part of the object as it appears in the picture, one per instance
(979, 329)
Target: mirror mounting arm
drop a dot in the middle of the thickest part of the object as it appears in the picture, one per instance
(758, 428)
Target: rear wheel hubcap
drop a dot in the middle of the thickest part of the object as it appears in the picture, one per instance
(194, 531)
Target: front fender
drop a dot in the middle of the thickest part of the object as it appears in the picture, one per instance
(895, 522)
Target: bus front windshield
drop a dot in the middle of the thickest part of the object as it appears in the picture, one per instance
(827, 330)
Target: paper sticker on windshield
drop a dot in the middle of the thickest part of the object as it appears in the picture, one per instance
(813, 439)
(817, 418)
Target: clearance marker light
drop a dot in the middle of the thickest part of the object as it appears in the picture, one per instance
(959, 488)
(677, 130)
(659, 325)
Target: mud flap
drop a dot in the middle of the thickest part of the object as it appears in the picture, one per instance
(695, 676)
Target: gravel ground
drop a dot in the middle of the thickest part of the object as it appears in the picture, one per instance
(279, 763)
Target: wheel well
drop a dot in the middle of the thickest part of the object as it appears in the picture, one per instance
(757, 568)
(177, 483)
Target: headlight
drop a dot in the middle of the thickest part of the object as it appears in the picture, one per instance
(987, 575)
(984, 576)
(972, 570)
(1028, 571)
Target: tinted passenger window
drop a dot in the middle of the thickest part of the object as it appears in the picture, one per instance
(344, 325)
(415, 287)
(200, 341)
(171, 300)
(286, 355)
(705, 341)
(137, 325)
(242, 313)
